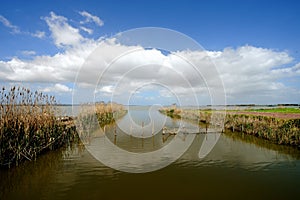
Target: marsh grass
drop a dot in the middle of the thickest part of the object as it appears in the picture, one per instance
(172, 112)
(280, 131)
(107, 113)
(28, 125)
(93, 117)
(277, 130)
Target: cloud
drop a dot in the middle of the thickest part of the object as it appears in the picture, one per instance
(39, 34)
(107, 89)
(63, 33)
(250, 74)
(16, 30)
(252, 70)
(7, 23)
(52, 69)
(59, 88)
(89, 31)
(165, 93)
(90, 18)
(28, 53)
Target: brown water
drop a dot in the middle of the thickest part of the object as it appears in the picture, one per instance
(239, 166)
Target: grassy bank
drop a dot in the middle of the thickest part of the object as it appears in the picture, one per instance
(277, 110)
(282, 126)
(280, 131)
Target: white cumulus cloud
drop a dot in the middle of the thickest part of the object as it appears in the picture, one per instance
(59, 88)
(108, 89)
(250, 74)
(62, 32)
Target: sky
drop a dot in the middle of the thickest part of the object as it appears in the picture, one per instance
(63, 48)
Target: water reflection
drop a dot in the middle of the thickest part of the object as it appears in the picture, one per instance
(261, 143)
(136, 155)
(239, 166)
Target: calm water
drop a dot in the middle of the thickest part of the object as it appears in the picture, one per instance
(238, 167)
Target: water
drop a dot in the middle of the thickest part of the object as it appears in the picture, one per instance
(239, 166)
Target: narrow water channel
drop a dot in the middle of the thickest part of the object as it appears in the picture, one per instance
(239, 166)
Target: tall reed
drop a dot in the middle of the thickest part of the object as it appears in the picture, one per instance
(280, 131)
(28, 125)
(91, 117)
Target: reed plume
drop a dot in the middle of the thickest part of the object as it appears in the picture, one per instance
(28, 125)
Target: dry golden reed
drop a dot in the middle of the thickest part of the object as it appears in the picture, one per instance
(28, 125)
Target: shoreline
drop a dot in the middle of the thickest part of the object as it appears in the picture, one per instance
(27, 131)
(278, 128)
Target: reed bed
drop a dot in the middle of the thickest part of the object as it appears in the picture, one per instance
(172, 112)
(188, 114)
(278, 130)
(28, 125)
(260, 142)
(108, 113)
(100, 113)
(94, 116)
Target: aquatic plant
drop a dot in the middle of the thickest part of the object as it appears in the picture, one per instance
(278, 128)
(172, 112)
(280, 131)
(91, 116)
(28, 125)
(107, 113)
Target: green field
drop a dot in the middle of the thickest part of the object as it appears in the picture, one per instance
(276, 110)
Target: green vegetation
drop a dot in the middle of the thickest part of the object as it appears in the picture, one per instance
(277, 110)
(171, 112)
(108, 113)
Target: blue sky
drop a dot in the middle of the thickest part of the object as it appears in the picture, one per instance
(259, 31)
